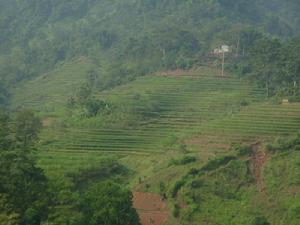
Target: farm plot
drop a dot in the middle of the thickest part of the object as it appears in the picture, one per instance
(154, 114)
(165, 107)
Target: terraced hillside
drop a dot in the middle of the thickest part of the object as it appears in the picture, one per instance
(49, 92)
(152, 111)
(155, 114)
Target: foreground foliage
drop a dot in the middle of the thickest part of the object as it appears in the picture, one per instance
(233, 192)
(28, 197)
(118, 205)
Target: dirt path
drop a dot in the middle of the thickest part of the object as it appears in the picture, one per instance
(259, 158)
(48, 121)
(151, 208)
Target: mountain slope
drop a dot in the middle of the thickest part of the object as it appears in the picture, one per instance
(143, 35)
(202, 136)
(217, 149)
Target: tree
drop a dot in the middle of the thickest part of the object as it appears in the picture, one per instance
(274, 65)
(264, 58)
(27, 127)
(261, 220)
(290, 58)
(3, 95)
(162, 190)
(85, 101)
(108, 204)
(23, 186)
(4, 132)
(84, 94)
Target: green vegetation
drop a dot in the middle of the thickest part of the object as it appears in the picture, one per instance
(3, 95)
(127, 95)
(183, 161)
(282, 145)
(234, 184)
(130, 38)
(153, 114)
(27, 196)
(163, 125)
(118, 202)
(23, 186)
(274, 65)
(192, 119)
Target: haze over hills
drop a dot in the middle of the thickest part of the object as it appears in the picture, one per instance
(115, 112)
(137, 37)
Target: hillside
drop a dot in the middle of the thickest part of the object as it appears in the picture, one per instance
(157, 121)
(115, 112)
(137, 36)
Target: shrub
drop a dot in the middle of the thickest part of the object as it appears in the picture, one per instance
(243, 150)
(183, 147)
(187, 159)
(193, 171)
(261, 220)
(183, 161)
(176, 211)
(107, 169)
(244, 103)
(147, 186)
(294, 99)
(197, 184)
(108, 203)
(216, 163)
(162, 188)
(282, 145)
(177, 186)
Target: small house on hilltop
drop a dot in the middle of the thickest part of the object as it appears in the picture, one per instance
(221, 49)
(225, 48)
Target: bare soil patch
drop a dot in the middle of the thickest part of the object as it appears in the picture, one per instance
(294, 190)
(151, 208)
(259, 158)
(48, 121)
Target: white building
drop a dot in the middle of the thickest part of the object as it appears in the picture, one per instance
(222, 49)
(225, 48)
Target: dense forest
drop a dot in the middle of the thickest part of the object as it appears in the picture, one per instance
(3, 95)
(273, 64)
(139, 37)
(126, 40)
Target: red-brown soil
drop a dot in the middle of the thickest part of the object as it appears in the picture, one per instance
(48, 121)
(151, 208)
(259, 158)
(294, 190)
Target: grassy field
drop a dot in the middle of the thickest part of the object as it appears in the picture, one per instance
(158, 113)
(152, 112)
(48, 93)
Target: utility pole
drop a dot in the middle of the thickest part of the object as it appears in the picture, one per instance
(223, 62)
(267, 87)
(223, 50)
(238, 47)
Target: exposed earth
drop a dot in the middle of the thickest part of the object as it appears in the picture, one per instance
(259, 158)
(151, 208)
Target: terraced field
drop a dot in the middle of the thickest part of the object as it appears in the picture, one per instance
(264, 120)
(49, 92)
(157, 113)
